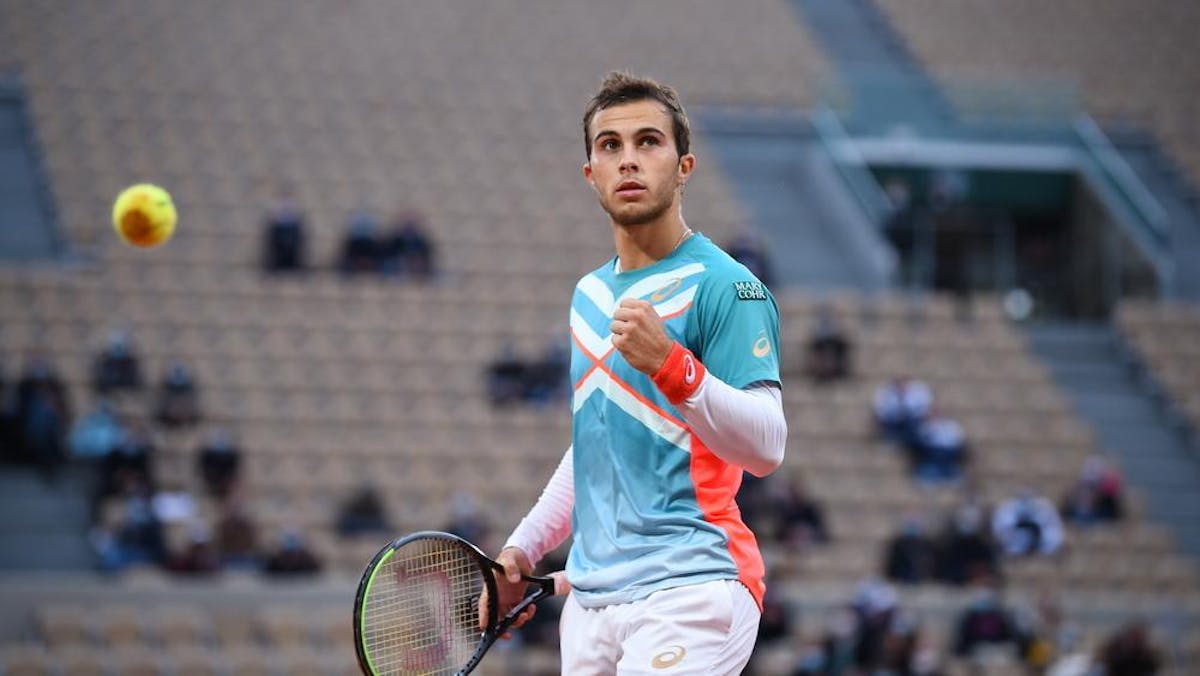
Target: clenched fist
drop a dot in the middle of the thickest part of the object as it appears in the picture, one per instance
(639, 336)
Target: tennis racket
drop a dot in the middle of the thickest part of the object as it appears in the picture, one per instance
(418, 605)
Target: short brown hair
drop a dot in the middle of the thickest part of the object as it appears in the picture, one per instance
(619, 88)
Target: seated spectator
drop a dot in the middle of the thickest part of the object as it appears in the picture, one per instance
(966, 552)
(545, 379)
(237, 537)
(938, 448)
(875, 609)
(363, 513)
(408, 252)
(117, 367)
(361, 250)
(292, 557)
(97, 433)
(284, 236)
(986, 622)
(219, 461)
(1129, 652)
(506, 379)
(775, 623)
(801, 518)
(829, 350)
(1096, 496)
(199, 556)
(1027, 524)
(43, 416)
(911, 554)
(178, 398)
(749, 249)
(130, 461)
(900, 405)
(136, 537)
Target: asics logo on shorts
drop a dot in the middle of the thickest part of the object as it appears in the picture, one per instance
(668, 658)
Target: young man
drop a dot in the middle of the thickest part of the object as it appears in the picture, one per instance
(676, 391)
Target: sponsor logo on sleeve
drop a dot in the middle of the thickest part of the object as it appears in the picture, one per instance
(762, 345)
(750, 290)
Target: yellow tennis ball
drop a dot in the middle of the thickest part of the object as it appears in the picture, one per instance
(144, 215)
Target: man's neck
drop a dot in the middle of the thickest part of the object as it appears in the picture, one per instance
(647, 243)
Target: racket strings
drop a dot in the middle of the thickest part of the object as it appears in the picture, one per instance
(421, 613)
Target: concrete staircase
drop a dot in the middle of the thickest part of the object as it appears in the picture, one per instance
(27, 224)
(1090, 363)
(43, 526)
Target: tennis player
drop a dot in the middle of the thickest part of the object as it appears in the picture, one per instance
(676, 391)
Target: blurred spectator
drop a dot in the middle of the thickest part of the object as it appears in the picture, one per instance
(292, 556)
(219, 461)
(117, 367)
(986, 622)
(466, 522)
(900, 405)
(361, 250)
(130, 461)
(362, 513)
(545, 379)
(1027, 524)
(178, 398)
(284, 236)
(756, 504)
(237, 537)
(775, 623)
(911, 554)
(408, 252)
(1129, 652)
(829, 349)
(97, 433)
(1096, 496)
(199, 555)
(506, 377)
(875, 608)
(801, 518)
(43, 416)
(134, 536)
(938, 448)
(749, 249)
(966, 552)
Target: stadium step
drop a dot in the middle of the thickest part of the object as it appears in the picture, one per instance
(1099, 374)
(27, 228)
(43, 526)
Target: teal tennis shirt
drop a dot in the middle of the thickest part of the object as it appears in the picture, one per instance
(654, 508)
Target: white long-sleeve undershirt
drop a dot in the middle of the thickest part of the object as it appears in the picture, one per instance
(742, 427)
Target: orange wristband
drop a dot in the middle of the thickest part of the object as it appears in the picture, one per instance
(680, 375)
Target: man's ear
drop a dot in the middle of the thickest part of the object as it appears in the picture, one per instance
(687, 164)
(587, 174)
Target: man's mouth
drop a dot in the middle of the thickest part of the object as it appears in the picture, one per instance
(630, 189)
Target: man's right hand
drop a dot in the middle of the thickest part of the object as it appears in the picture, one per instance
(510, 588)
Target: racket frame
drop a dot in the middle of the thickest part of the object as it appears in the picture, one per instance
(489, 568)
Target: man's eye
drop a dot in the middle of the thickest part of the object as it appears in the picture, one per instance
(649, 141)
(608, 145)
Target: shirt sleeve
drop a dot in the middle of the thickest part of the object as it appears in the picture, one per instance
(548, 523)
(735, 331)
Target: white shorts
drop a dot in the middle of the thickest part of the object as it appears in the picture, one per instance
(706, 628)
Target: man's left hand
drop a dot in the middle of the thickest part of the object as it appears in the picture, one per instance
(639, 336)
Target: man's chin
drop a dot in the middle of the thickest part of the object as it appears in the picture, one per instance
(634, 214)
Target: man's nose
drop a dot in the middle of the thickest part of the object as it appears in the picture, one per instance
(628, 160)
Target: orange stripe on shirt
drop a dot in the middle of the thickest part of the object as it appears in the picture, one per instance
(716, 482)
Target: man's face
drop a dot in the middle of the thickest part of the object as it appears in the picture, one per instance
(635, 169)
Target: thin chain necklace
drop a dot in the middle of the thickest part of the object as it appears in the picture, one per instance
(687, 232)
